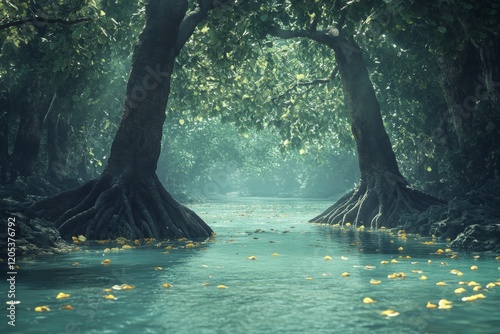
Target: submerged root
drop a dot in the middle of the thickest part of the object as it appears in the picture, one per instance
(374, 207)
(108, 208)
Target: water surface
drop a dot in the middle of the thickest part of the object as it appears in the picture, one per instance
(272, 263)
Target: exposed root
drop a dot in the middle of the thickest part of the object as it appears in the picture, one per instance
(376, 205)
(133, 208)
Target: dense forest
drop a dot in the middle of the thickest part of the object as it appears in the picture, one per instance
(114, 115)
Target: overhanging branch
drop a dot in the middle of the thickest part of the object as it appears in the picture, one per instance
(194, 17)
(41, 20)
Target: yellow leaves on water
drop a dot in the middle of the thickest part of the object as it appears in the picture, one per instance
(328, 258)
(43, 308)
(345, 274)
(440, 283)
(67, 307)
(439, 251)
(166, 285)
(490, 285)
(473, 268)
(368, 300)
(400, 249)
(445, 304)
(110, 297)
(423, 278)
(62, 295)
(397, 275)
(126, 247)
(190, 245)
(473, 297)
(275, 254)
(309, 278)
(106, 262)
(394, 261)
(389, 313)
(472, 283)
(384, 262)
(221, 286)
(122, 287)
(456, 272)
(375, 282)
(252, 257)
(158, 268)
(78, 239)
(460, 290)
(431, 305)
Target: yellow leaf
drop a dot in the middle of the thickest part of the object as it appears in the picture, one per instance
(42, 308)
(62, 295)
(181, 121)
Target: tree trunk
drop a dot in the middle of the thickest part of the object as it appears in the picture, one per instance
(383, 194)
(458, 77)
(29, 134)
(58, 129)
(128, 200)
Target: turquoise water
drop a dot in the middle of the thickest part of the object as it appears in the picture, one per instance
(288, 288)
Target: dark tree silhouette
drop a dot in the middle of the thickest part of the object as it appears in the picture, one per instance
(128, 200)
(382, 194)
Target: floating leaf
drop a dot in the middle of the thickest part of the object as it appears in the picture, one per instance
(389, 313)
(368, 300)
(430, 305)
(42, 308)
(67, 307)
(166, 285)
(62, 295)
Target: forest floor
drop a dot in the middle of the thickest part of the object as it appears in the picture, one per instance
(470, 222)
